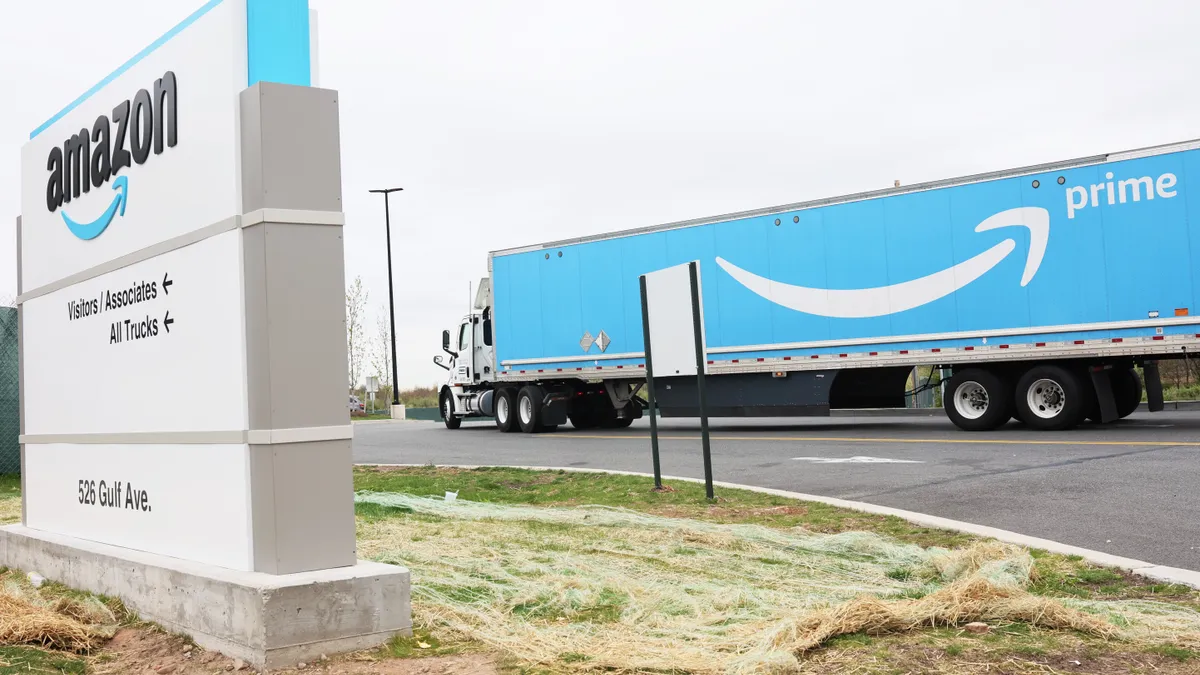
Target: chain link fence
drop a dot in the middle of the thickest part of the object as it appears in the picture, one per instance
(10, 386)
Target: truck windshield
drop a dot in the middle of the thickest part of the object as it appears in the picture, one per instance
(463, 336)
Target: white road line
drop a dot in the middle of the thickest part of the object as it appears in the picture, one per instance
(856, 460)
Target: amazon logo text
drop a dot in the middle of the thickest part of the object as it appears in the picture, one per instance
(1120, 192)
(93, 156)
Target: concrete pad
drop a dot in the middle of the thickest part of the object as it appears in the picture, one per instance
(398, 412)
(269, 621)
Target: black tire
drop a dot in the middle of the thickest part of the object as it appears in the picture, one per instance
(978, 400)
(448, 417)
(1052, 398)
(506, 402)
(583, 415)
(529, 408)
(1127, 391)
(1127, 394)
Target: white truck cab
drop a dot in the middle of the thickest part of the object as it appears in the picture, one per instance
(473, 387)
(471, 368)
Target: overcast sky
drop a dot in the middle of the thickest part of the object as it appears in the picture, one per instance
(516, 122)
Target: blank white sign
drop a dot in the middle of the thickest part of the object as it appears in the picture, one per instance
(672, 332)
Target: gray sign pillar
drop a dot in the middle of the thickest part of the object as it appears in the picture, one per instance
(295, 327)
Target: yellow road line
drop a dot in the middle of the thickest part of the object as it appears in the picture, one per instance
(851, 439)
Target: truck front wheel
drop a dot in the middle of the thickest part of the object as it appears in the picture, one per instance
(978, 400)
(529, 408)
(1051, 398)
(447, 406)
(505, 407)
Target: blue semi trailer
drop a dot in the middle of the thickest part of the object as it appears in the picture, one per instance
(1040, 290)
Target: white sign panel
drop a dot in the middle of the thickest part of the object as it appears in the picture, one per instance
(672, 331)
(159, 345)
(151, 154)
(155, 346)
(185, 501)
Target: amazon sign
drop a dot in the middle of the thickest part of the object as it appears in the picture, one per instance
(131, 222)
(95, 156)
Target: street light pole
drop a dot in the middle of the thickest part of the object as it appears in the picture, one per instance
(387, 219)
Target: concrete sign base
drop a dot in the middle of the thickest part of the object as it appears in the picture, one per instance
(268, 620)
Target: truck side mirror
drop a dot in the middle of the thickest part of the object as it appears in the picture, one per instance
(446, 344)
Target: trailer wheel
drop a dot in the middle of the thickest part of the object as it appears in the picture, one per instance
(618, 423)
(447, 408)
(505, 405)
(1051, 398)
(978, 400)
(529, 408)
(1127, 391)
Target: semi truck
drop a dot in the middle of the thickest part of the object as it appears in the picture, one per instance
(1046, 294)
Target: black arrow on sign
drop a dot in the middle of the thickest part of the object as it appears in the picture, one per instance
(167, 321)
(166, 283)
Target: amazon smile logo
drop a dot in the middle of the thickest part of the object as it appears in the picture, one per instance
(863, 303)
(93, 157)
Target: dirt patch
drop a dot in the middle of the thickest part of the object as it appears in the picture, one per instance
(147, 651)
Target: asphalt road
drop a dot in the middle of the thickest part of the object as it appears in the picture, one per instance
(1131, 489)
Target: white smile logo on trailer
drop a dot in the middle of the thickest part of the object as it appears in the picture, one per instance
(883, 300)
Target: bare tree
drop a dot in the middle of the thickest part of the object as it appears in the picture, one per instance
(381, 352)
(356, 340)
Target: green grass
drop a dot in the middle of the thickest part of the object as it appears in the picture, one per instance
(26, 660)
(125, 616)
(1187, 392)
(1007, 648)
(686, 500)
(421, 644)
(10, 485)
(376, 512)
(384, 415)
(1177, 653)
(1069, 576)
(851, 640)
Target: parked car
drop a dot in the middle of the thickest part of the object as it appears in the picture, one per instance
(356, 405)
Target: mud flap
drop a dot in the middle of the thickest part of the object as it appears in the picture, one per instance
(554, 409)
(1102, 382)
(1153, 384)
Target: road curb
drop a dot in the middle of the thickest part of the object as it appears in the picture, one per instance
(1158, 573)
